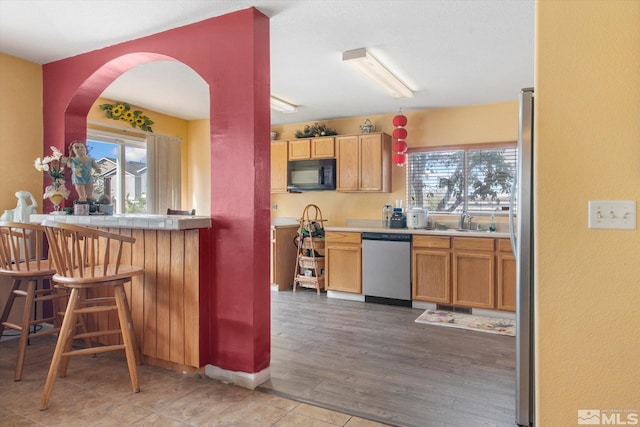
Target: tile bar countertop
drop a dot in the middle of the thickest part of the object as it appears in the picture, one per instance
(139, 221)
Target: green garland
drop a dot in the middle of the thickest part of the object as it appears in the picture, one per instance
(315, 130)
(122, 111)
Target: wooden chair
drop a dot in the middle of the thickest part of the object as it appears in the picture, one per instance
(22, 247)
(192, 212)
(86, 261)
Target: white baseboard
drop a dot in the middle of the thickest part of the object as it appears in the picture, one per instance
(423, 305)
(242, 379)
(345, 295)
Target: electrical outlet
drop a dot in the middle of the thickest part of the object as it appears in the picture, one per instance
(612, 214)
(274, 207)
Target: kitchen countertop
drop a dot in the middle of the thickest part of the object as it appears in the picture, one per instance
(450, 232)
(373, 226)
(144, 221)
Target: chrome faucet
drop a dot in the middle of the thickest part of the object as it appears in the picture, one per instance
(464, 215)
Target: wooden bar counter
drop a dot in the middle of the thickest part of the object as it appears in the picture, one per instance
(165, 301)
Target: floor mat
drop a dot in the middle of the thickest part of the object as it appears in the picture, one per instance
(492, 325)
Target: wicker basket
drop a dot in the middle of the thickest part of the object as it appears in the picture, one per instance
(311, 262)
(313, 243)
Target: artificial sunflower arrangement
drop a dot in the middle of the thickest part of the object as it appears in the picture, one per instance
(315, 130)
(122, 111)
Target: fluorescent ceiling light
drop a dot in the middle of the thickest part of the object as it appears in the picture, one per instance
(362, 60)
(282, 106)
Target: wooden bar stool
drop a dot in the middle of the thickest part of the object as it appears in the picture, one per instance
(87, 260)
(22, 247)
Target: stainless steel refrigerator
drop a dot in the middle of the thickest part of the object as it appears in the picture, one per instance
(522, 243)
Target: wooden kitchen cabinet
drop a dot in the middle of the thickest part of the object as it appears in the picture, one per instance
(431, 269)
(473, 272)
(312, 148)
(364, 163)
(343, 261)
(283, 256)
(506, 281)
(279, 166)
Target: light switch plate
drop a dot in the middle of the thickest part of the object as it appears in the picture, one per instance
(612, 214)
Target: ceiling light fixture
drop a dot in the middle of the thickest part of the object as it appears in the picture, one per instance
(364, 62)
(282, 106)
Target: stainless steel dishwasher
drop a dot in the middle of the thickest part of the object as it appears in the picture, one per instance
(386, 268)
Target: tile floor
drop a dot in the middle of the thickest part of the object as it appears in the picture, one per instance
(97, 392)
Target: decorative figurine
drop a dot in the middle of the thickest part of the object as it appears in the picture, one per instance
(81, 165)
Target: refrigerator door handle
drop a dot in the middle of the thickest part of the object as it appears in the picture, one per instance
(512, 232)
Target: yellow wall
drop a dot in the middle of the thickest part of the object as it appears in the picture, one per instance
(436, 127)
(20, 129)
(588, 148)
(198, 193)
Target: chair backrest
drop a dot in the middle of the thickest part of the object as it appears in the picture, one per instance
(22, 247)
(84, 252)
(179, 212)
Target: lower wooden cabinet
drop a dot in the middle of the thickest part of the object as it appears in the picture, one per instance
(506, 283)
(283, 256)
(343, 261)
(473, 272)
(431, 272)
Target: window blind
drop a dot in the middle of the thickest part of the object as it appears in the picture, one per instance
(461, 179)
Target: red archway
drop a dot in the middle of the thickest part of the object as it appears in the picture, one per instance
(231, 53)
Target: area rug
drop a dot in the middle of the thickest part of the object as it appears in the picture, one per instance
(492, 325)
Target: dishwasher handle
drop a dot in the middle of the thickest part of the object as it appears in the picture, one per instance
(392, 237)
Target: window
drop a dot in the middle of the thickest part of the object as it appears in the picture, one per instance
(123, 176)
(476, 179)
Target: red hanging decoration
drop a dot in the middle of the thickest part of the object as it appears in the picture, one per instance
(399, 159)
(400, 146)
(399, 120)
(400, 134)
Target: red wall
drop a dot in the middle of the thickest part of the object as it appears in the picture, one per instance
(231, 53)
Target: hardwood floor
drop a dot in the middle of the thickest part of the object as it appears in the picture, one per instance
(375, 362)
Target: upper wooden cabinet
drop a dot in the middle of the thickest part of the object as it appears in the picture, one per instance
(364, 163)
(312, 148)
(279, 166)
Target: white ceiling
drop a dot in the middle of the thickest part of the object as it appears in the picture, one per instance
(450, 52)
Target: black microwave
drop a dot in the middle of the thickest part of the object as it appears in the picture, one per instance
(311, 175)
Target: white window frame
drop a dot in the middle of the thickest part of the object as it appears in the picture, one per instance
(497, 208)
(122, 143)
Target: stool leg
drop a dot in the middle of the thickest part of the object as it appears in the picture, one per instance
(24, 330)
(127, 335)
(9, 304)
(68, 324)
(136, 346)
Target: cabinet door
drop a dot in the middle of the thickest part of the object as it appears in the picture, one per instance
(370, 163)
(279, 167)
(300, 149)
(323, 148)
(347, 163)
(344, 268)
(473, 279)
(431, 276)
(506, 283)
(283, 256)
